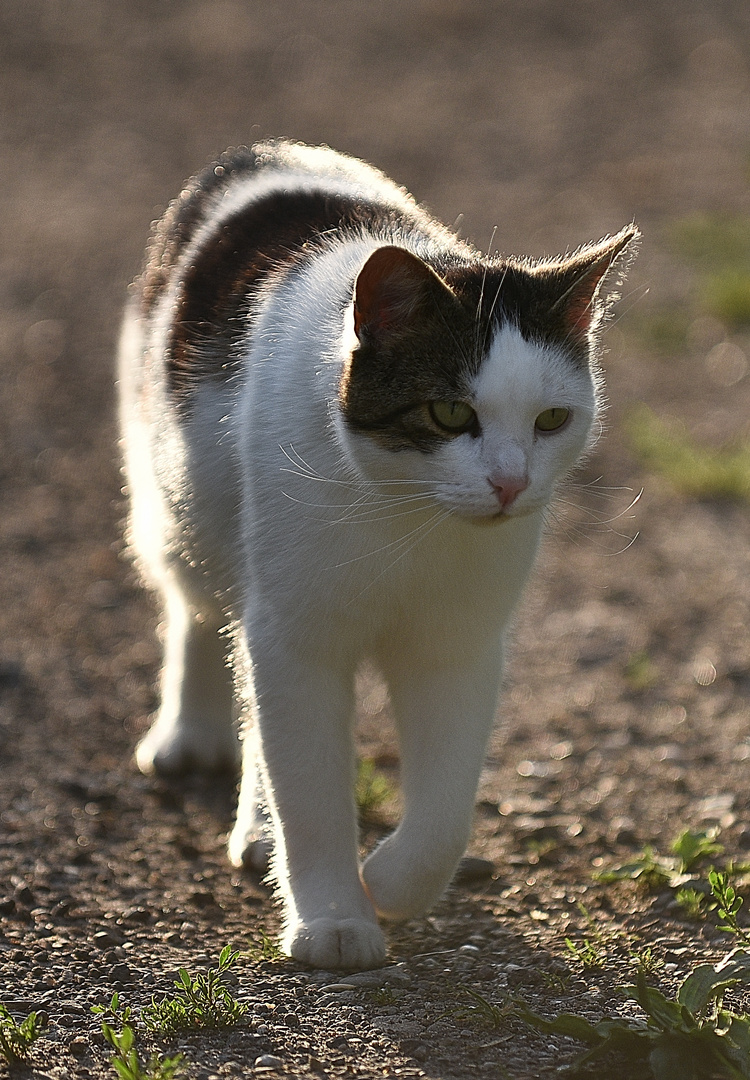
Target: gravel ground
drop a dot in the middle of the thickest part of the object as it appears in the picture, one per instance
(556, 123)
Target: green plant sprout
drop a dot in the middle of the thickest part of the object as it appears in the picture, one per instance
(263, 947)
(692, 1037)
(371, 789)
(691, 902)
(646, 960)
(592, 952)
(589, 954)
(659, 871)
(729, 903)
(126, 1061)
(17, 1039)
(202, 1001)
(479, 1010)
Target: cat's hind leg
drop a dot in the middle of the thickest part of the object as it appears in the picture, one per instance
(194, 726)
(444, 712)
(251, 840)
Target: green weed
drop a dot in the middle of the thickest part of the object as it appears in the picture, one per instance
(589, 954)
(202, 1001)
(700, 472)
(17, 1039)
(691, 902)
(555, 982)
(480, 1011)
(693, 846)
(729, 903)
(592, 951)
(646, 961)
(263, 947)
(656, 871)
(126, 1061)
(383, 995)
(372, 789)
(691, 1037)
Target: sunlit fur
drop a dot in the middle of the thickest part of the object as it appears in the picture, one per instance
(291, 547)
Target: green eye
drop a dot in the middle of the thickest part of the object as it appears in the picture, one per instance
(551, 419)
(453, 416)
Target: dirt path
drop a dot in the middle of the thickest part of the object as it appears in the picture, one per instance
(626, 715)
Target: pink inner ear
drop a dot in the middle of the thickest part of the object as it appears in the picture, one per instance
(580, 306)
(579, 301)
(580, 312)
(389, 288)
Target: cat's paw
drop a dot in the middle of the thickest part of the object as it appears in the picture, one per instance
(171, 749)
(250, 852)
(402, 883)
(355, 944)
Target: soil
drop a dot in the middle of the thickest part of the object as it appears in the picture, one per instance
(625, 718)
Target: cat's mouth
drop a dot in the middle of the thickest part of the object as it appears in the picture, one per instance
(485, 520)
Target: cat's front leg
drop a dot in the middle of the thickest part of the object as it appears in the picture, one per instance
(194, 727)
(444, 712)
(304, 715)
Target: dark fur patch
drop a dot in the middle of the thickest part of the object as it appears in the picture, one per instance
(432, 355)
(270, 236)
(173, 231)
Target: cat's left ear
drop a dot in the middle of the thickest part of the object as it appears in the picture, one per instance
(581, 276)
(391, 291)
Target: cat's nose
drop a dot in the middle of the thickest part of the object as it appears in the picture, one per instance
(508, 488)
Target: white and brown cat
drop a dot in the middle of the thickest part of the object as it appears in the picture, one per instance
(341, 428)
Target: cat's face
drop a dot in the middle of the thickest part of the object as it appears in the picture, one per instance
(520, 424)
(475, 386)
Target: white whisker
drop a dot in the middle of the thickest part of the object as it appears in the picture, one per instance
(408, 542)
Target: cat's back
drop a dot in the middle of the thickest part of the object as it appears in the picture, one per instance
(242, 225)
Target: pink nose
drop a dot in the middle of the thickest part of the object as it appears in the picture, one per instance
(508, 488)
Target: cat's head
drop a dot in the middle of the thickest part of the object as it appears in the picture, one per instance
(477, 382)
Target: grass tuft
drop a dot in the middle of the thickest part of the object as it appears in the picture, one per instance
(692, 1036)
(118, 1028)
(372, 789)
(16, 1039)
(201, 1001)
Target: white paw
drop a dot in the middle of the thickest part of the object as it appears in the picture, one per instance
(403, 884)
(356, 944)
(170, 748)
(253, 852)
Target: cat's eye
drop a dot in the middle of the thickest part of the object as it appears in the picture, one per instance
(453, 416)
(551, 420)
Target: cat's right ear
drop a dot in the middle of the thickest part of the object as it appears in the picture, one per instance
(391, 289)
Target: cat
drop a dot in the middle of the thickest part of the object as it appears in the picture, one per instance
(341, 427)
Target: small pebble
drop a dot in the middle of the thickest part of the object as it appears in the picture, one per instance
(472, 869)
(78, 1047)
(268, 1061)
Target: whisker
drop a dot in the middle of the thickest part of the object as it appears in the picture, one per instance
(478, 317)
(487, 328)
(644, 290)
(410, 540)
(397, 543)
